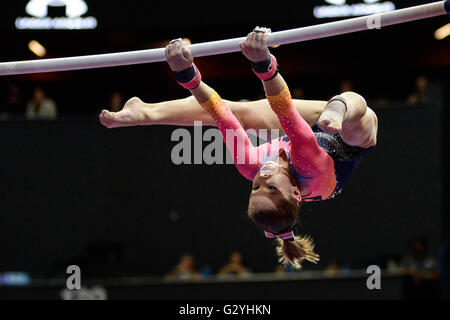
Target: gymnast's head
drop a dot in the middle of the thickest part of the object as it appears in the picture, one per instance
(274, 206)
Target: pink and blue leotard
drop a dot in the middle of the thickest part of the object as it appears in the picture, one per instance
(321, 162)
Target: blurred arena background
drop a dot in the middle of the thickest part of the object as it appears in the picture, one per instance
(111, 201)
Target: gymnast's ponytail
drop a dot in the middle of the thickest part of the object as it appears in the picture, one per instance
(275, 221)
(295, 251)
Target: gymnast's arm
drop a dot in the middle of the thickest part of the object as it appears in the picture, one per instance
(308, 157)
(245, 155)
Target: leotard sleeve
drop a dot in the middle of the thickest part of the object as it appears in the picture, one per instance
(246, 157)
(308, 158)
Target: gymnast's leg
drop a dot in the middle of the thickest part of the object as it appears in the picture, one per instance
(183, 112)
(135, 112)
(357, 125)
(354, 121)
(251, 114)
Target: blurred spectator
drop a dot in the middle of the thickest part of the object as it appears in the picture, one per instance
(116, 101)
(333, 268)
(298, 93)
(346, 85)
(13, 103)
(420, 259)
(421, 93)
(185, 269)
(280, 270)
(234, 266)
(284, 270)
(41, 107)
(422, 268)
(393, 262)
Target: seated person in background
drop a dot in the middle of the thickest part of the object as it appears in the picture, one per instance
(298, 93)
(420, 263)
(116, 101)
(346, 85)
(333, 268)
(420, 95)
(41, 107)
(283, 270)
(184, 270)
(234, 266)
(13, 103)
(422, 267)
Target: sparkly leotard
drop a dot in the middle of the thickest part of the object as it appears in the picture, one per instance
(321, 162)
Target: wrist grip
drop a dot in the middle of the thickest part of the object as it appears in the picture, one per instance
(267, 69)
(189, 78)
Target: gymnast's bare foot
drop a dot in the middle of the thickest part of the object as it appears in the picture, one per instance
(332, 117)
(330, 126)
(132, 114)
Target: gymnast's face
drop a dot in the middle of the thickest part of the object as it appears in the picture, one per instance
(273, 185)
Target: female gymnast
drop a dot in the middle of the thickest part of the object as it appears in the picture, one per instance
(307, 164)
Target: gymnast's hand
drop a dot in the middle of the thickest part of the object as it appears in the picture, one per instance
(178, 56)
(255, 46)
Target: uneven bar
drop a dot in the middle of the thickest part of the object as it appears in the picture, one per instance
(231, 45)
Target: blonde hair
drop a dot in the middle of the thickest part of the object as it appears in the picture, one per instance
(280, 220)
(294, 252)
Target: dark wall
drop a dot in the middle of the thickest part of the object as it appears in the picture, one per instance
(75, 192)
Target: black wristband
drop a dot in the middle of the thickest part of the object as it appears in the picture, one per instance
(262, 66)
(185, 75)
(274, 75)
(266, 66)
